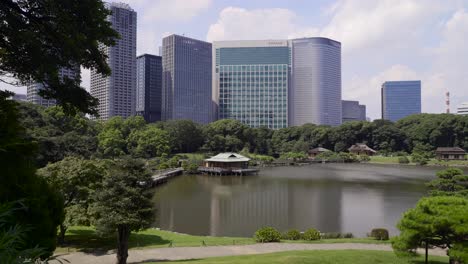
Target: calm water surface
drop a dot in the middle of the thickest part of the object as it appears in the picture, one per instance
(330, 197)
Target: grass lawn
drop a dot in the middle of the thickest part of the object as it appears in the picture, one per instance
(319, 257)
(385, 160)
(82, 238)
(433, 162)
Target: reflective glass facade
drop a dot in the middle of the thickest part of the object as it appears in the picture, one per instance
(400, 99)
(252, 82)
(353, 111)
(149, 85)
(187, 78)
(316, 82)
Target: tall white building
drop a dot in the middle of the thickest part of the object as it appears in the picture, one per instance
(116, 93)
(33, 89)
(463, 109)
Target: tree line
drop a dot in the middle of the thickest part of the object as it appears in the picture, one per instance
(60, 135)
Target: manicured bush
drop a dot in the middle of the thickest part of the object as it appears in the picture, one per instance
(311, 234)
(420, 159)
(292, 234)
(267, 234)
(347, 235)
(379, 234)
(403, 160)
(335, 235)
(364, 158)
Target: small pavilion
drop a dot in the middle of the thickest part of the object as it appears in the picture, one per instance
(228, 163)
(454, 153)
(361, 149)
(313, 153)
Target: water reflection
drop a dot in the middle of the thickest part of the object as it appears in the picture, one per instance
(331, 198)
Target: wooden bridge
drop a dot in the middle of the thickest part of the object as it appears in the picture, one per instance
(165, 175)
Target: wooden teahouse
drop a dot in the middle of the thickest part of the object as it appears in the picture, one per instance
(453, 153)
(227, 164)
(361, 149)
(313, 153)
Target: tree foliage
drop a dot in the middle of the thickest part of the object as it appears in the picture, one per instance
(74, 178)
(185, 136)
(449, 182)
(120, 204)
(19, 182)
(440, 221)
(37, 38)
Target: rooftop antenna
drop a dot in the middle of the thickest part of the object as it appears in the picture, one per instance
(447, 102)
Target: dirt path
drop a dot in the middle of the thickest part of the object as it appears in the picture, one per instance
(179, 253)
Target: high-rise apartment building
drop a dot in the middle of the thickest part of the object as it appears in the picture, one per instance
(186, 81)
(463, 109)
(116, 93)
(34, 88)
(315, 95)
(353, 111)
(400, 99)
(251, 81)
(149, 86)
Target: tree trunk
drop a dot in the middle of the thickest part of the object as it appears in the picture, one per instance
(63, 230)
(122, 246)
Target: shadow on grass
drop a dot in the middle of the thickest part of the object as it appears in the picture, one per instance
(430, 262)
(164, 260)
(88, 241)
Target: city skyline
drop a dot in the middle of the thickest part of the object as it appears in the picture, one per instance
(371, 54)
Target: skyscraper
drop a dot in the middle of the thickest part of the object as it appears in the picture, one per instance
(400, 99)
(34, 88)
(186, 81)
(251, 81)
(463, 109)
(116, 93)
(149, 85)
(315, 96)
(353, 111)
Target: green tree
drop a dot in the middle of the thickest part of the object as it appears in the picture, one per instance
(149, 142)
(440, 221)
(112, 143)
(37, 38)
(449, 182)
(74, 178)
(19, 182)
(225, 135)
(185, 136)
(122, 204)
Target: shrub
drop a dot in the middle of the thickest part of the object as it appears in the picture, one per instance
(292, 234)
(419, 159)
(403, 160)
(311, 234)
(267, 234)
(379, 233)
(364, 158)
(330, 235)
(348, 235)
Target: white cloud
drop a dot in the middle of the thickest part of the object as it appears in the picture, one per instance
(172, 10)
(271, 23)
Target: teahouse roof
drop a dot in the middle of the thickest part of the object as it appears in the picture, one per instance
(361, 147)
(228, 157)
(318, 150)
(453, 150)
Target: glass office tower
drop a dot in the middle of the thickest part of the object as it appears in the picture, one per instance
(116, 93)
(353, 111)
(186, 75)
(251, 82)
(149, 86)
(316, 82)
(400, 99)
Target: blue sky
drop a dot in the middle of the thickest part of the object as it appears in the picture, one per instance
(381, 39)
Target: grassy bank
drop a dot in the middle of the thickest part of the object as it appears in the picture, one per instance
(81, 238)
(318, 257)
(431, 162)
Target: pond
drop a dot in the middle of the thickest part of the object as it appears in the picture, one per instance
(329, 197)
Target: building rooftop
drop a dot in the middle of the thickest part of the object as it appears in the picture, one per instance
(318, 150)
(361, 147)
(450, 150)
(228, 157)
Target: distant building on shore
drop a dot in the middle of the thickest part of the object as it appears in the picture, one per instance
(186, 85)
(361, 149)
(400, 99)
(116, 93)
(149, 87)
(462, 109)
(450, 153)
(353, 111)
